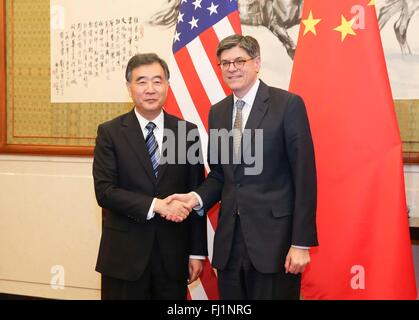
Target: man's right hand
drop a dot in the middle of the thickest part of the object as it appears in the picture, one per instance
(188, 199)
(172, 210)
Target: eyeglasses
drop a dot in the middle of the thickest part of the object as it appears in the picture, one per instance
(237, 63)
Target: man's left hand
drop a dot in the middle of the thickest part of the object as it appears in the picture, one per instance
(297, 260)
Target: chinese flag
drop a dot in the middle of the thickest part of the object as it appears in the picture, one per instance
(339, 70)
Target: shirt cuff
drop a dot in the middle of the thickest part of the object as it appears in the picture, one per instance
(300, 247)
(198, 209)
(151, 213)
(197, 257)
(199, 200)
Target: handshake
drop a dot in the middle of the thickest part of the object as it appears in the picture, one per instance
(176, 207)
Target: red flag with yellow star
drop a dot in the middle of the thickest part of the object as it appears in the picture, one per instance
(339, 70)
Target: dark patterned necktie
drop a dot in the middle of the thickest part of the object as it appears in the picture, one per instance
(152, 147)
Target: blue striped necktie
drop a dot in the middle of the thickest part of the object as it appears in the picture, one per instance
(152, 147)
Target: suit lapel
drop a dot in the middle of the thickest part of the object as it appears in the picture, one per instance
(227, 115)
(136, 139)
(226, 119)
(259, 108)
(170, 123)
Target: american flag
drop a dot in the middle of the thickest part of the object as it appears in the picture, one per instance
(196, 84)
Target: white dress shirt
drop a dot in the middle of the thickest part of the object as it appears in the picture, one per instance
(158, 134)
(248, 99)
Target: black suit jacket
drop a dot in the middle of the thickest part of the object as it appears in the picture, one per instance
(125, 185)
(277, 207)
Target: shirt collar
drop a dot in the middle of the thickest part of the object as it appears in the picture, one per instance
(250, 96)
(158, 121)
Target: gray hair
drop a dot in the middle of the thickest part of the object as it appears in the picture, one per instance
(145, 59)
(247, 43)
